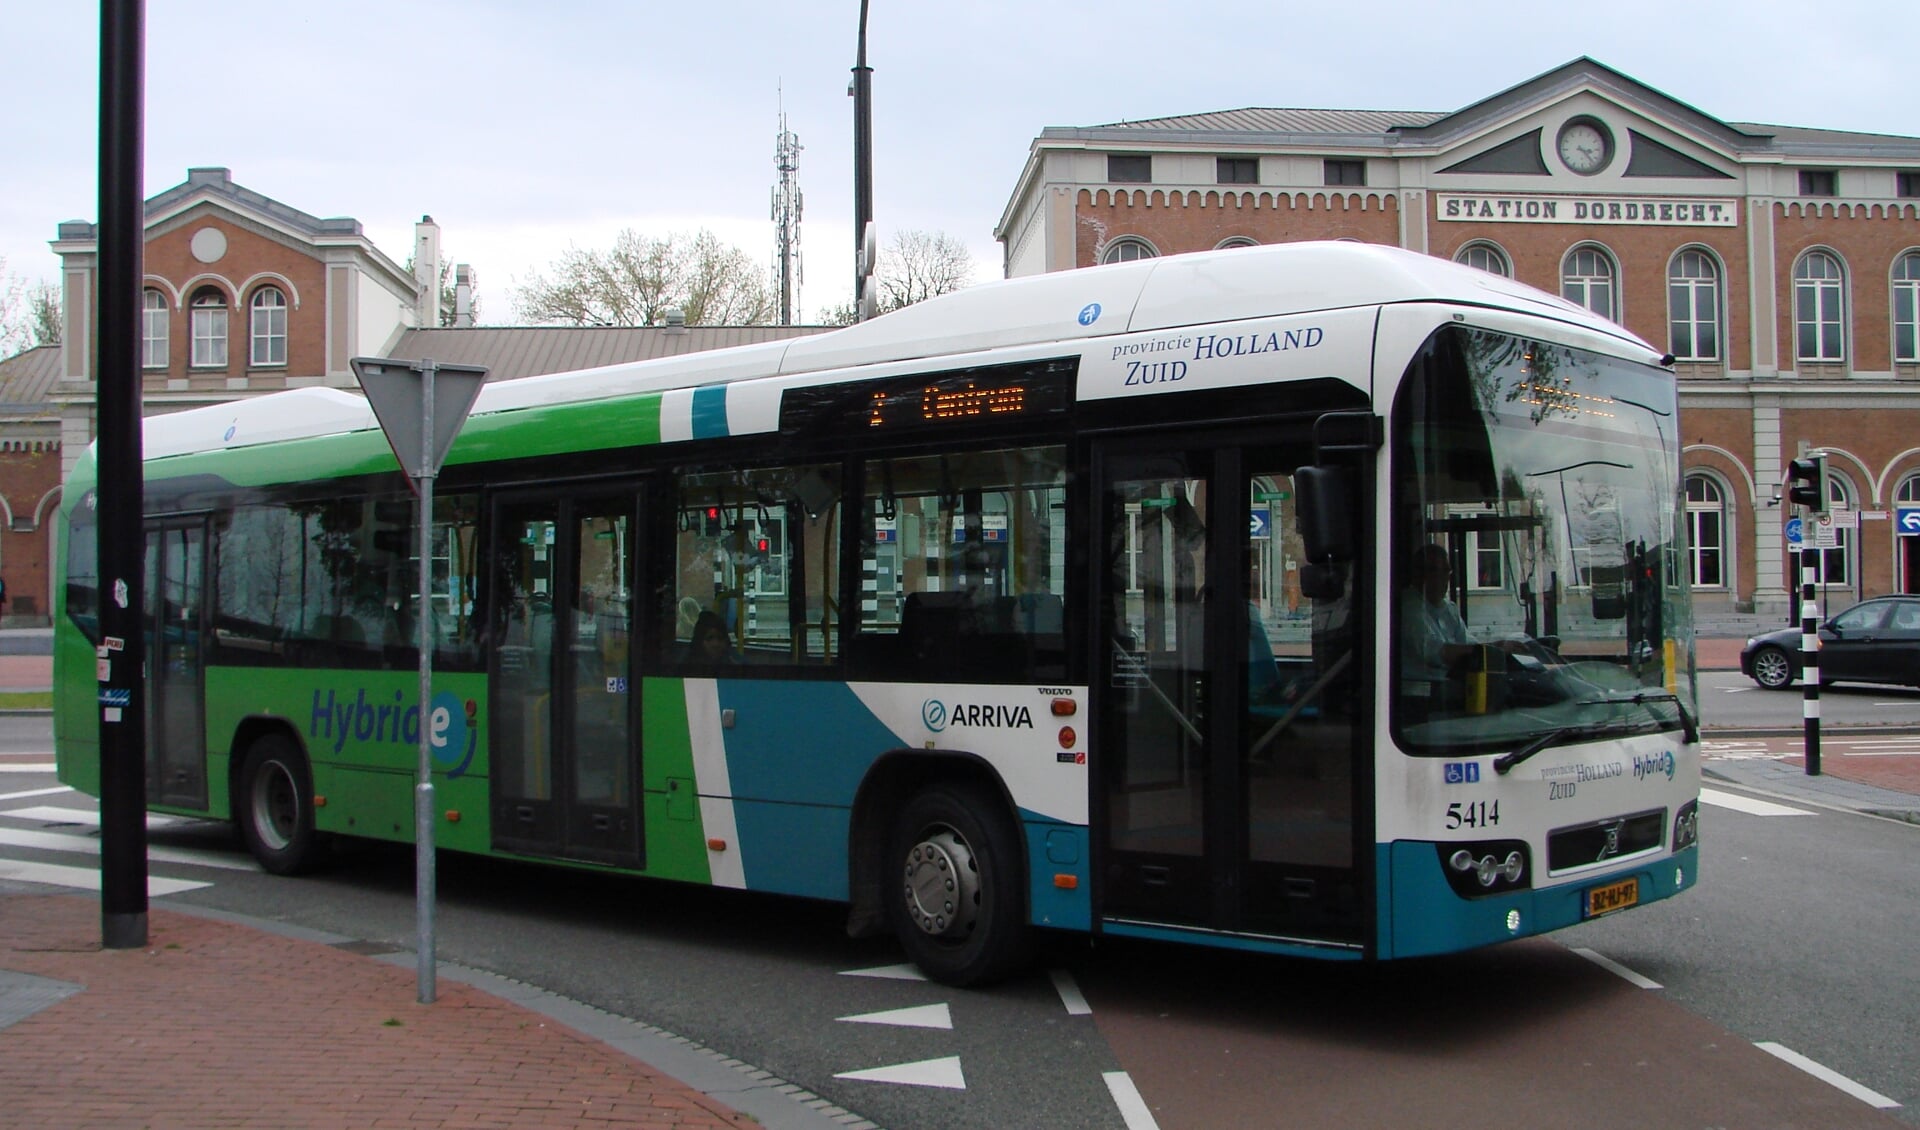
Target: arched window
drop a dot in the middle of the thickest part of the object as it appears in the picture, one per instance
(1706, 532)
(1693, 307)
(1235, 241)
(153, 329)
(1819, 308)
(1487, 257)
(209, 317)
(1907, 498)
(267, 326)
(1128, 248)
(1906, 309)
(1587, 279)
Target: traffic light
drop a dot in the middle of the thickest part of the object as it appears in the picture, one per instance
(1807, 482)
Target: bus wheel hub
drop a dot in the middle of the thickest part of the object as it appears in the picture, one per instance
(942, 885)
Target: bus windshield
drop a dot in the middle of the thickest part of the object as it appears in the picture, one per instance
(1538, 554)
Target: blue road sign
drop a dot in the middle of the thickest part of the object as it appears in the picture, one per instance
(1260, 524)
(1793, 531)
(1907, 519)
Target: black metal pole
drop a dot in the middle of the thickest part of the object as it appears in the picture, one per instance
(123, 745)
(1810, 652)
(862, 149)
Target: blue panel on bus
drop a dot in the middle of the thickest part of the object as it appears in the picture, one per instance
(1057, 849)
(799, 741)
(1420, 914)
(710, 412)
(793, 849)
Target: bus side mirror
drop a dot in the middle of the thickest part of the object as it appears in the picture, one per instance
(1323, 497)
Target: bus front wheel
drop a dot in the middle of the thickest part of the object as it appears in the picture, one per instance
(956, 892)
(276, 806)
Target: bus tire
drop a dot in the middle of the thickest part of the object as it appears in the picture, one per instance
(275, 807)
(955, 884)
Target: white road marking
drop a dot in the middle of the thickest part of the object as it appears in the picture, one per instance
(1070, 994)
(1827, 1075)
(1617, 969)
(926, 1073)
(87, 845)
(1126, 1096)
(86, 878)
(77, 816)
(919, 1016)
(30, 767)
(36, 792)
(1749, 805)
(888, 972)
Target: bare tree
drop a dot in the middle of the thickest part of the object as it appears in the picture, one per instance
(29, 313)
(637, 280)
(918, 265)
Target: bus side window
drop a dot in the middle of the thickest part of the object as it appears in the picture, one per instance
(963, 564)
(758, 549)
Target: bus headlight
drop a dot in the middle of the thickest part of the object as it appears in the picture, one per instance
(1491, 867)
(1686, 826)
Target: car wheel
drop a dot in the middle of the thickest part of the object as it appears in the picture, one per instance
(1772, 668)
(957, 895)
(275, 807)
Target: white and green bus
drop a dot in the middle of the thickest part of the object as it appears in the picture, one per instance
(1084, 602)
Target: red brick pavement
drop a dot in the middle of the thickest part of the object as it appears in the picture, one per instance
(217, 1025)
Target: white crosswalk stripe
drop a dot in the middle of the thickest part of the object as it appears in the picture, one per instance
(73, 831)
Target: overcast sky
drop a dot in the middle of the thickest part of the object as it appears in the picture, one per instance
(524, 128)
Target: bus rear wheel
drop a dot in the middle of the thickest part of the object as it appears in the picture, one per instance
(956, 888)
(275, 807)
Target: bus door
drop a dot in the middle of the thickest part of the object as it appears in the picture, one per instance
(565, 735)
(1228, 758)
(174, 619)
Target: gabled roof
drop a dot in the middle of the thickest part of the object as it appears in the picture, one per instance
(1263, 119)
(1390, 129)
(526, 351)
(217, 184)
(27, 379)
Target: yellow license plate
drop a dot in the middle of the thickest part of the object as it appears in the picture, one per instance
(1612, 897)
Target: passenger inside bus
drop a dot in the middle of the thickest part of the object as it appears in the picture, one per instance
(711, 646)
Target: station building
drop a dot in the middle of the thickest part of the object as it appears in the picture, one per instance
(1779, 265)
(245, 295)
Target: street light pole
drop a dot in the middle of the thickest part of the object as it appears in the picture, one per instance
(862, 150)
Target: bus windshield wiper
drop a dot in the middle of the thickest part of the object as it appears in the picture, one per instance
(1689, 728)
(1508, 760)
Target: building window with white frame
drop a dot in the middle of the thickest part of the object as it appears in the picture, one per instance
(1906, 309)
(155, 328)
(1819, 309)
(1587, 278)
(209, 325)
(1693, 307)
(267, 326)
(1235, 241)
(1486, 257)
(1706, 533)
(1126, 249)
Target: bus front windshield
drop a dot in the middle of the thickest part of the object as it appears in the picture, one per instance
(1539, 561)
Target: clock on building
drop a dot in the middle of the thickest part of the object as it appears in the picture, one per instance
(1585, 146)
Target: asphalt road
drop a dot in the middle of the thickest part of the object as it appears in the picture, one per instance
(1799, 935)
(1731, 701)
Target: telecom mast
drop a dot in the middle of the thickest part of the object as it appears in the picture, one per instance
(786, 221)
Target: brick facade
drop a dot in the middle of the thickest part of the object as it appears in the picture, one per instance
(1500, 175)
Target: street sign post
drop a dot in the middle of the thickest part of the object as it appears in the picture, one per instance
(420, 406)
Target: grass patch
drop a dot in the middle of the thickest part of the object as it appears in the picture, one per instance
(26, 700)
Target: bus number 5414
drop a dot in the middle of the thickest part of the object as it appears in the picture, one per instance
(1473, 814)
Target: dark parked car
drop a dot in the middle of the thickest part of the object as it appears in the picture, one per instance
(1875, 641)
